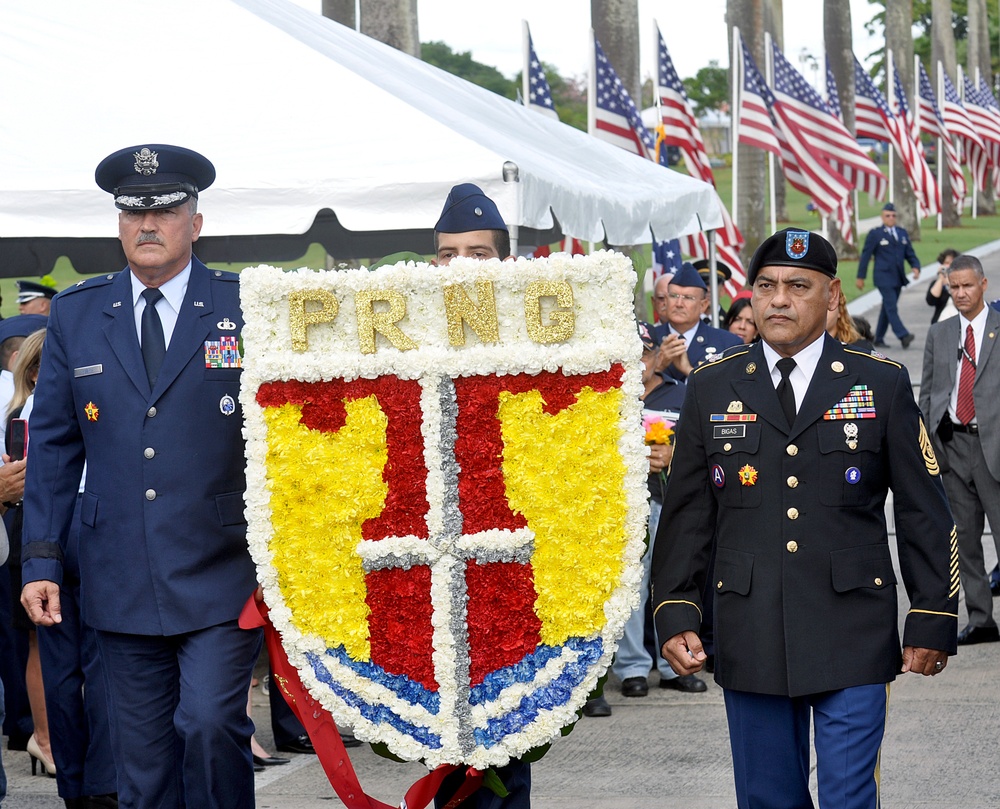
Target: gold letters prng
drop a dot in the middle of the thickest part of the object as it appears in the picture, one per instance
(300, 318)
(481, 316)
(370, 321)
(563, 321)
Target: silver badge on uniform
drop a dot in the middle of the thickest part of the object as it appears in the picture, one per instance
(227, 405)
(226, 325)
(851, 431)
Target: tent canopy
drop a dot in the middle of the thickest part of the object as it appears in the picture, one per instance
(290, 107)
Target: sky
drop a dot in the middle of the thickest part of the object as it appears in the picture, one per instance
(694, 31)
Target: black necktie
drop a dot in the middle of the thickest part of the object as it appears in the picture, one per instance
(785, 393)
(154, 347)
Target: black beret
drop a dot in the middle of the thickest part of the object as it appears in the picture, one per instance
(790, 248)
(153, 176)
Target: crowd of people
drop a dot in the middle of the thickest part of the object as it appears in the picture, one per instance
(127, 672)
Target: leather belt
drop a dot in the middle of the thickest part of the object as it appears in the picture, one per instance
(971, 429)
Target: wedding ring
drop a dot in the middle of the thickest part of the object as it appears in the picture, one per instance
(939, 665)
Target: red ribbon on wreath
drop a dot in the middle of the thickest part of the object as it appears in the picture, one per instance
(326, 739)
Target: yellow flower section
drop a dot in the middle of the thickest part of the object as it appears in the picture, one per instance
(564, 473)
(323, 487)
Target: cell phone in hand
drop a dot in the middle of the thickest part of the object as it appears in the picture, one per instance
(18, 439)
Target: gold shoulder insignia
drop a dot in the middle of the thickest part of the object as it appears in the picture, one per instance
(721, 360)
(865, 354)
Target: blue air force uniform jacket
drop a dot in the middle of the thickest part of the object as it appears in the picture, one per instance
(163, 534)
(805, 591)
(708, 342)
(889, 255)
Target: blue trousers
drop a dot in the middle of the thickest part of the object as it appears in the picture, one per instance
(632, 658)
(889, 315)
(769, 736)
(179, 720)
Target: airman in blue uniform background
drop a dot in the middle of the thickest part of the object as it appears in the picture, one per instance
(890, 246)
(140, 378)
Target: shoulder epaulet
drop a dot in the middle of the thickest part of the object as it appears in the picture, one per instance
(730, 353)
(875, 357)
(223, 275)
(93, 282)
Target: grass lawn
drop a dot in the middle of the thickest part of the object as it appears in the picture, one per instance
(972, 233)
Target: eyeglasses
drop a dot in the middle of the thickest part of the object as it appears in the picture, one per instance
(689, 298)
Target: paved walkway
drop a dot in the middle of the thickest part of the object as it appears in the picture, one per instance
(670, 750)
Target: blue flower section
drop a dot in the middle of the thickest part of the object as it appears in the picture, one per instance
(400, 685)
(545, 698)
(379, 714)
(524, 671)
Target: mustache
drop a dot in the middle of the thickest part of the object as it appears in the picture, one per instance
(148, 237)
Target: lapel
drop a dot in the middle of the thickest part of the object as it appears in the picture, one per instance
(120, 331)
(827, 388)
(949, 348)
(989, 340)
(191, 329)
(755, 390)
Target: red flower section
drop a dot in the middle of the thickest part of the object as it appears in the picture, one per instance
(322, 403)
(503, 627)
(482, 493)
(400, 622)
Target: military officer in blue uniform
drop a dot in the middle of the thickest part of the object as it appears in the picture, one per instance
(140, 378)
(890, 246)
(785, 452)
(686, 341)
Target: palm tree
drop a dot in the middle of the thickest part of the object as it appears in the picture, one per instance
(840, 52)
(943, 51)
(899, 39)
(748, 16)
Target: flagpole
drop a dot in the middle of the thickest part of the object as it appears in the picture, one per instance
(944, 134)
(918, 118)
(769, 78)
(525, 58)
(890, 94)
(737, 59)
(592, 96)
(975, 189)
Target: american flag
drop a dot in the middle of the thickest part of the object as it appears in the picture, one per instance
(666, 258)
(679, 128)
(845, 214)
(879, 121)
(957, 120)
(806, 167)
(979, 106)
(755, 125)
(930, 122)
(909, 130)
(808, 116)
(617, 121)
(539, 93)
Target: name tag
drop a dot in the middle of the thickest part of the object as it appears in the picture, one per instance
(88, 370)
(730, 431)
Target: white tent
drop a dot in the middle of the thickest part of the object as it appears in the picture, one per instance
(291, 109)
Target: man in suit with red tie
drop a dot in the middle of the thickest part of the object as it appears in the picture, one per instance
(959, 393)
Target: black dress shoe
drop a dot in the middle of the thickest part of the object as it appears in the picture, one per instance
(269, 761)
(108, 801)
(597, 707)
(348, 739)
(978, 634)
(300, 745)
(259, 768)
(880, 344)
(687, 683)
(906, 340)
(635, 687)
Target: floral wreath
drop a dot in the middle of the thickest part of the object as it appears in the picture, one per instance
(446, 492)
